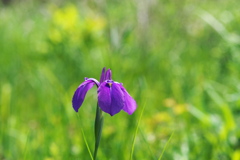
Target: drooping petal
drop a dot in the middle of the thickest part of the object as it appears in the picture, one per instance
(110, 97)
(102, 77)
(94, 80)
(104, 97)
(117, 99)
(81, 92)
(130, 104)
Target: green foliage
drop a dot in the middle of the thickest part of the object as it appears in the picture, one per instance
(180, 57)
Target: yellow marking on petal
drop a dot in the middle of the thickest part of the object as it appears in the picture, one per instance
(110, 84)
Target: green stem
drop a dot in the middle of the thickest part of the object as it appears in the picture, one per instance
(98, 130)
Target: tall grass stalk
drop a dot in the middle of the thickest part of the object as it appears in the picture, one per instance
(160, 157)
(85, 140)
(136, 131)
(26, 146)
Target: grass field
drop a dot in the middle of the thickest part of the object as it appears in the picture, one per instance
(180, 61)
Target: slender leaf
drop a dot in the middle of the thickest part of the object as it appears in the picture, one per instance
(136, 131)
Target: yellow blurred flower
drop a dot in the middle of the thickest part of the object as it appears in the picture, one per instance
(66, 18)
(95, 24)
(169, 102)
(65, 24)
(162, 117)
(68, 26)
(236, 155)
(179, 108)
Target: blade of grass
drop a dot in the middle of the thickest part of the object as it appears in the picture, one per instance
(26, 146)
(160, 157)
(136, 131)
(84, 138)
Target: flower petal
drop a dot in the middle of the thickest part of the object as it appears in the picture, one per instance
(110, 97)
(130, 104)
(81, 92)
(108, 75)
(104, 97)
(102, 77)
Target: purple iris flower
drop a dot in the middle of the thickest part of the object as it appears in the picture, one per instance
(112, 96)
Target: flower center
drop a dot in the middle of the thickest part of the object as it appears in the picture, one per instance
(110, 84)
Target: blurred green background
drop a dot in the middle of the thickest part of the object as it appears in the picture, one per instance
(180, 59)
